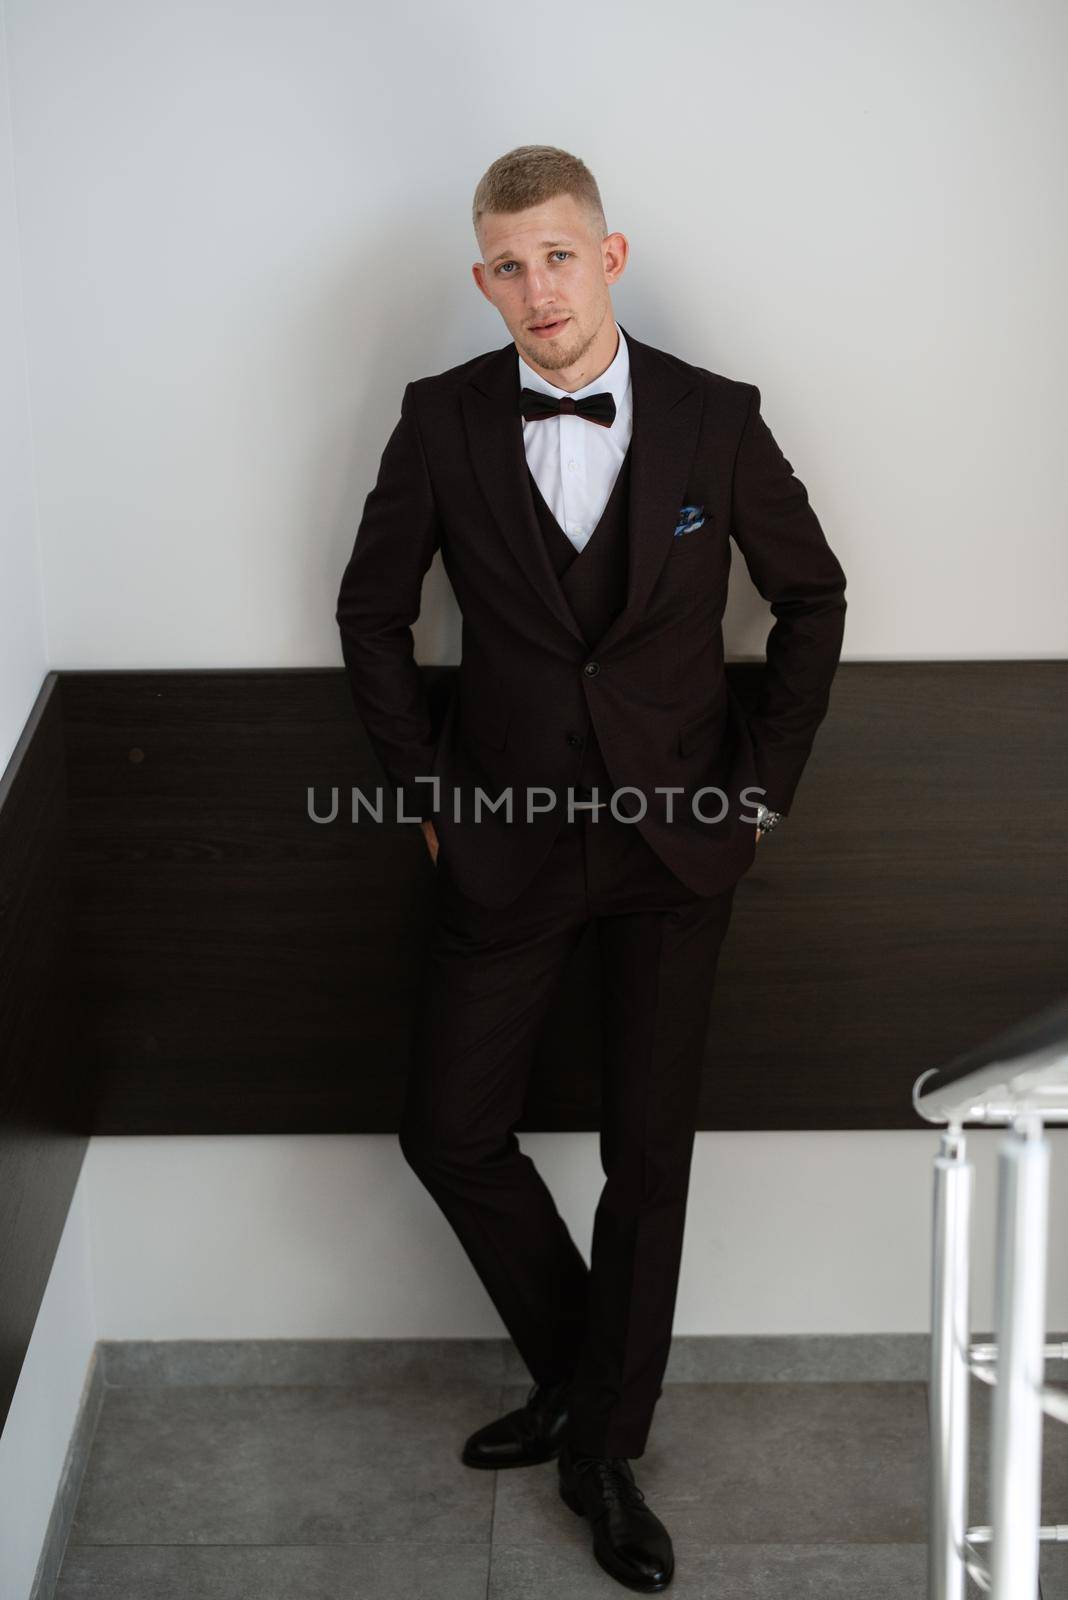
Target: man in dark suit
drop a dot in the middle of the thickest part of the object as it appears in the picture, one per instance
(593, 764)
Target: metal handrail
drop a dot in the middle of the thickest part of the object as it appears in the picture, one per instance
(1018, 1079)
(1025, 1065)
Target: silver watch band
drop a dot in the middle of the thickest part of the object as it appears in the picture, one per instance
(767, 819)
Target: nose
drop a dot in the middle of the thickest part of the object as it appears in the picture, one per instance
(534, 288)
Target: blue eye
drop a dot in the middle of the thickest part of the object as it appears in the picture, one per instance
(512, 263)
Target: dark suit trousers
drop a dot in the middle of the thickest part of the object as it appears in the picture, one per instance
(492, 975)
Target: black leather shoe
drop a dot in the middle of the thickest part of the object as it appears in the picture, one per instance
(629, 1541)
(525, 1437)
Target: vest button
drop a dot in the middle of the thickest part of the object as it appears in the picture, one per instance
(592, 668)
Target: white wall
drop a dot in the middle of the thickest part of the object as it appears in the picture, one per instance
(335, 1237)
(242, 229)
(35, 1437)
(246, 226)
(23, 654)
(37, 1432)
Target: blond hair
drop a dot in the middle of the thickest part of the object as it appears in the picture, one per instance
(533, 173)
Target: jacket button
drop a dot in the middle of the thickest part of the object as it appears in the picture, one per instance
(574, 738)
(592, 668)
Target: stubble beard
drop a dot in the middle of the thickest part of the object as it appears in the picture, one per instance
(561, 353)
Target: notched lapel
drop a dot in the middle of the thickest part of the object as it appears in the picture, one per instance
(667, 421)
(667, 417)
(490, 402)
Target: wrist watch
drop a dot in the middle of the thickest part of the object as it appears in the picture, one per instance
(767, 819)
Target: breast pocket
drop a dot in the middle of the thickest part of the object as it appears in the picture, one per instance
(696, 537)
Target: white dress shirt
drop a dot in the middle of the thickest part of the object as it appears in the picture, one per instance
(575, 462)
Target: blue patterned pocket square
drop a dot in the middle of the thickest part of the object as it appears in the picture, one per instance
(691, 518)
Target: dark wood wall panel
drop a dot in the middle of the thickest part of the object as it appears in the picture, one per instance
(247, 970)
(43, 1107)
(914, 905)
(182, 949)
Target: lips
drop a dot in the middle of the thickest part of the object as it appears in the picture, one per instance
(548, 327)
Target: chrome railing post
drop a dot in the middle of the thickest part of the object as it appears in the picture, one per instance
(1018, 1079)
(1020, 1315)
(949, 1389)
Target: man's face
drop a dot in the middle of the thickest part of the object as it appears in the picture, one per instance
(546, 265)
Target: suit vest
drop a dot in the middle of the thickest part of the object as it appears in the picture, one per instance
(594, 583)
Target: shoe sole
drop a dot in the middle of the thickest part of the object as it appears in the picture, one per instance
(628, 1580)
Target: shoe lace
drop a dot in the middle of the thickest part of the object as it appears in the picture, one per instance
(612, 1477)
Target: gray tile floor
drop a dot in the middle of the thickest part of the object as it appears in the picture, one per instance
(283, 1490)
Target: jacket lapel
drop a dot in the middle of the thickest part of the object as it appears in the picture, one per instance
(667, 415)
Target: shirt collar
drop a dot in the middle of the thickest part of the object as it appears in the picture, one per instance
(615, 378)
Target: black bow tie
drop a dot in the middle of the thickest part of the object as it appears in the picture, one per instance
(535, 404)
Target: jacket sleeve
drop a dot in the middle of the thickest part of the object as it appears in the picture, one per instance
(380, 598)
(794, 568)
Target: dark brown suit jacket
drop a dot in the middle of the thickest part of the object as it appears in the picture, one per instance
(454, 475)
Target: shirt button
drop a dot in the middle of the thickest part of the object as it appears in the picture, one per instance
(592, 668)
(571, 466)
